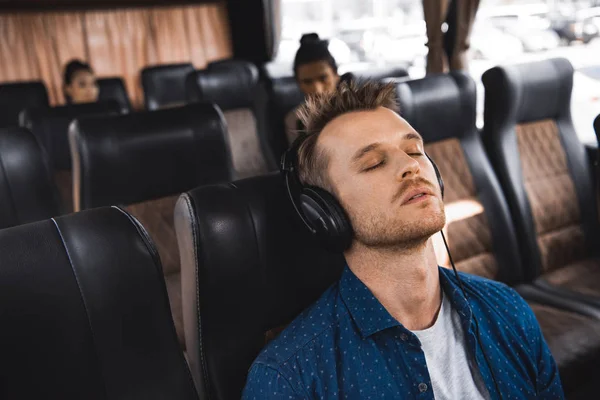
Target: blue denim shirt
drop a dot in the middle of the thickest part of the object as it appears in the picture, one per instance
(348, 346)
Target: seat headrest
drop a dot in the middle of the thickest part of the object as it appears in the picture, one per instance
(27, 193)
(143, 156)
(51, 127)
(259, 268)
(230, 84)
(114, 89)
(14, 97)
(83, 296)
(439, 106)
(164, 85)
(381, 73)
(529, 92)
(285, 94)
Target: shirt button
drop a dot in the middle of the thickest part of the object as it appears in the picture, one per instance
(404, 337)
(422, 387)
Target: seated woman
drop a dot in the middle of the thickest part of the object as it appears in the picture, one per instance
(316, 71)
(80, 84)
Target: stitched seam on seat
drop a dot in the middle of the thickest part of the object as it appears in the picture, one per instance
(191, 213)
(85, 306)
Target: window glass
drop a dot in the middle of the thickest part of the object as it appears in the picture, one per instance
(365, 34)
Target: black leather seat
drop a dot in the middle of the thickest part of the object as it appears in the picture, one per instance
(545, 174)
(164, 85)
(114, 89)
(14, 97)
(248, 268)
(27, 192)
(51, 128)
(84, 312)
(233, 86)
(143, 162)
(378, 74)
(480, 230)
(283, 95)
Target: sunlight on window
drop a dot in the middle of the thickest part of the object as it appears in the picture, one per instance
(368, 34)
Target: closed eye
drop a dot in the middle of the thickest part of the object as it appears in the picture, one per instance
(415, 154)
(374, 166)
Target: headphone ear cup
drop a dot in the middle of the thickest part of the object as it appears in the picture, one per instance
(327, 217)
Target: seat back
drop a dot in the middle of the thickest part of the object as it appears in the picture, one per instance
(14, 97)
(249, 266)
(233, 86)
(541, 163)
(50, 126)
(379, 74)
(114, 89)
(84, 312)
(164, 85)
(479, 228)
(27, 192)
(284, 96)
(143, 162)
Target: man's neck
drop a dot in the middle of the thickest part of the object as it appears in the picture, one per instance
(405, 281)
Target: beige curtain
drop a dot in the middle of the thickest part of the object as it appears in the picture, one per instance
(465, 16)
(434, 12)
(115, 42)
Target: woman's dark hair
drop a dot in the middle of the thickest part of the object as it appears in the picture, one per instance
(73, 67)
(313, 49)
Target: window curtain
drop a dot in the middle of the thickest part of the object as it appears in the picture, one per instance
(434, 12)
(448, 51)
(465, 17)
(121, 42)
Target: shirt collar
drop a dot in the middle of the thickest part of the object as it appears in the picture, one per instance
(371, 317)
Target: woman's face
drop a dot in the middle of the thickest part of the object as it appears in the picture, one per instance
(83, 87)
(316, 77)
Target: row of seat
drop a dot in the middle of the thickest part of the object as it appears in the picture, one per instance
(15, 97)
(233, 238)
(269, 95)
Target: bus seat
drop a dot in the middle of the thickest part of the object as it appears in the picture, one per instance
(545, 174)
(114, 89)
(249, 266)
(480, 231)
(233, 86)
(50, 126)
(84, 312)
(14, 97)
(284, 95)
(27, 192)
(380, 73)
(164, 85)
(143, 162)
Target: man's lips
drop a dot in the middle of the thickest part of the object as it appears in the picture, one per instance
(416, 195)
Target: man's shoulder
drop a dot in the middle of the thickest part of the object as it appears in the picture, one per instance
(310, 326)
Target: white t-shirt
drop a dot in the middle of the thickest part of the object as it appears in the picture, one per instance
(454, 374)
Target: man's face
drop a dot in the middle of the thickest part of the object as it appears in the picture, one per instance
(383, 179)
(316, 77)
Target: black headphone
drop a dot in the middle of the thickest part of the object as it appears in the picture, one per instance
(318, 209)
